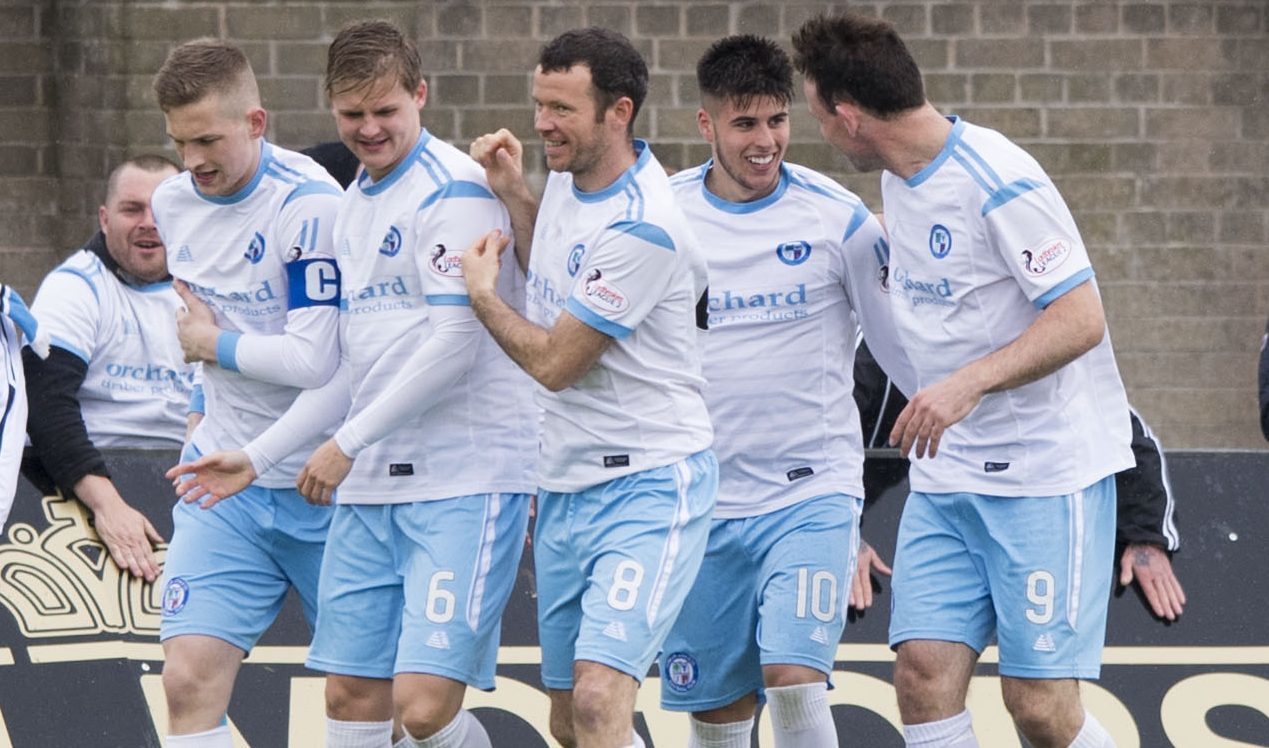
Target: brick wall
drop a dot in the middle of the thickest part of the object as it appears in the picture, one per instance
(1151, 116)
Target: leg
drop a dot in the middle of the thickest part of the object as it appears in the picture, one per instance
(729, 726)
(562, 717)
(358, 712)
(603, 706)
(1047, 711)
(809, 553)
(198, 679)
(798, 701)
(931, 679)
(428, 704)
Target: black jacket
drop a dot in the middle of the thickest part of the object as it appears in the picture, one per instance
(1264, 383)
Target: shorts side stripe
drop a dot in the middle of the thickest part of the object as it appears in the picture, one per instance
(670, 551)
(1076, 554)
(484, 558)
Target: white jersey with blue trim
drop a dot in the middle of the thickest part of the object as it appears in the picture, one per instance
(981, 242)
(789, 276)
(136, 392)
(623, 261)
(255, 257)
(400, 243)
(16, 322)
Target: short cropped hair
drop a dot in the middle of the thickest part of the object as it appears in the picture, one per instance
(365, 51)
(861, 60)
(201, 67)
(744, 67)
(151, 162)
(616, 67)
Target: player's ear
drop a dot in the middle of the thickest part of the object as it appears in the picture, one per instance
(257, 121)
(704, 125)
(420, 95)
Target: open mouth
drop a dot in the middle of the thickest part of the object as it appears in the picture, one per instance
(761, 160)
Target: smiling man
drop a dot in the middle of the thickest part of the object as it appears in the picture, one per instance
(616, 291)
(794, 264)
(247, 228)
(115, 377)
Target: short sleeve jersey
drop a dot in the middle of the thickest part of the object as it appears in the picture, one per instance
(623, 261)
(789, 275)
(981, 242)
(136, 392)
(399, 242)
(252, 256)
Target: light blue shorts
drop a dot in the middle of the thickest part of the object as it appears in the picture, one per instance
(1035, 572)
(614, 563)
(773, 589)
(228, 568)
(419, 587)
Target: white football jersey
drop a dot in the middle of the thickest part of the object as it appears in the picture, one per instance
(623, 261)
(253, 257)
(15, 321)
(399, 243)
(137, 390)
(981, 242)
(789, 275)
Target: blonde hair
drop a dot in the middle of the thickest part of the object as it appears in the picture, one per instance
(201, 67)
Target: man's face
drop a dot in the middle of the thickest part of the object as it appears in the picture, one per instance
(218, 140)
(833, 129)
(749, 146)
(379, 122)
(564, 115)
(128, 223)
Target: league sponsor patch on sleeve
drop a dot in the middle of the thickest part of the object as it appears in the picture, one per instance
(1050, 254)
(446, 262)
(603, 293)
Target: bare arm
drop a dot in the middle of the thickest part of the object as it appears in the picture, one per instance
(502, 154)
(556, 358)
(1067, 329)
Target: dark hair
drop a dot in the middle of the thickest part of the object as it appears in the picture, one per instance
(151, 162)
(744, 67)
(201, 67)
(616, 67)
(365, 51)
(860, 60)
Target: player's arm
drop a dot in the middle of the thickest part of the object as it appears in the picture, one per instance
(1145, 528)
(501, 154)
(556, 358)
(1023, 221)
(59, 437)
(305, 354)
(197, 404)
(221, 474)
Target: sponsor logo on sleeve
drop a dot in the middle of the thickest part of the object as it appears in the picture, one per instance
(940, 241)
(446, 263)
(794, 253)
(604, 294)
(391, 243)
(255, 250)
(1044, 258)
(575, 256)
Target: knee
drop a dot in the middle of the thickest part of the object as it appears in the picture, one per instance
(187, 686)
(423, 719)
(590, 702)
(1043, 710)
(349, 699)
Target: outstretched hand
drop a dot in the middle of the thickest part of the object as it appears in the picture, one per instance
(1150, 566)
(930, 412)
(861, 588)
(216, 476)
